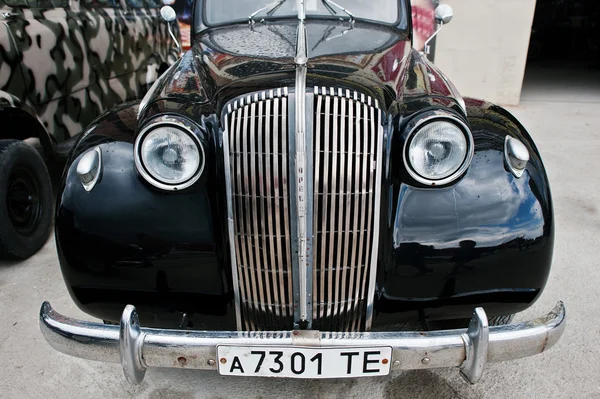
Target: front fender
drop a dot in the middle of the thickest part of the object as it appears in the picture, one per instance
(118, 124)
(128, 242)
(486, 239)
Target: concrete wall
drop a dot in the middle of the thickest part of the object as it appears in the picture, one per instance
(484, 49)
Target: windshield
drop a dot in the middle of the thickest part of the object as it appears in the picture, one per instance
(222, 11)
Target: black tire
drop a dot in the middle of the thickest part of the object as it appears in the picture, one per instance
(26, 200)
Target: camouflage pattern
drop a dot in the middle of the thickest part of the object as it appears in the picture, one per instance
(71, 63)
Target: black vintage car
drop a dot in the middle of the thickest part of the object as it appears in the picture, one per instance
(289, 193)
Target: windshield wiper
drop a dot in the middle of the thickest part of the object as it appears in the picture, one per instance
(328, 5)
(271, 7)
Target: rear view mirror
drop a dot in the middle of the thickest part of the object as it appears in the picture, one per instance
(443, 14)
(168, 14)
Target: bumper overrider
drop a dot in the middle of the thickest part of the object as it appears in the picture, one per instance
(138, 348)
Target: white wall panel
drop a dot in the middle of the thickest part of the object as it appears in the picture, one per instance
(484, 49)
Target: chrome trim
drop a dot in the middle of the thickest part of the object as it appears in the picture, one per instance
(257, 194)
(334, 282)
(299, 158)
(348, 137)
(197, 349)
(310, 110)
(189, 128)
(317, 282)
(477, 340)
(293, 206)
(415, 124)
(131, 339)
(286, 210)
(304, 314)
(516, 156)
(301, 9)
(89, 168)
(354, 255)
(230, 228)
(301, 51)
(376, 221)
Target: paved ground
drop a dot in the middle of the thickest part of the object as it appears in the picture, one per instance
(562, 110)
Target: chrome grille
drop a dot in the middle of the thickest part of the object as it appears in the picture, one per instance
(347, 135)
(346, 145)
(257, 138)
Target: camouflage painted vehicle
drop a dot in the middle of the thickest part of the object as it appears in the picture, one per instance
(62, 63)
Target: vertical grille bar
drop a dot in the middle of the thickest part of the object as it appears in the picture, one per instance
(353, 133)
(255, 262)
(348, 144)
(339, 235)
(238, 289)
(377, 130)
(285, 189)
(326, 272)
(318, 285)
(263, 219)
(257, 190)
(347, 205)
(238, 212)
(346, 149)
(363, 199)
(333, 297)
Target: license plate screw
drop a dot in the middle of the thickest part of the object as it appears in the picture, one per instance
(182, 360)
(295, 332)
(211, 362)
(223, 360)
(384, 361)
(425, 360)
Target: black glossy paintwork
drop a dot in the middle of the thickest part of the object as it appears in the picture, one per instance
(484, 240)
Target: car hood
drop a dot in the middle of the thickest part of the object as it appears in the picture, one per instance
(370, 58)
(361, 55)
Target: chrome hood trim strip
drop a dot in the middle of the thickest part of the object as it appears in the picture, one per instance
(302, 301)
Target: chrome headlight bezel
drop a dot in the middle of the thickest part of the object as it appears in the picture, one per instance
(416, 124)
(185, 126)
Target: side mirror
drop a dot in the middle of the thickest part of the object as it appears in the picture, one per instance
(443, 14)
(168, 14)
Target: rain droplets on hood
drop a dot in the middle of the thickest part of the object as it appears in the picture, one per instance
(265, 41)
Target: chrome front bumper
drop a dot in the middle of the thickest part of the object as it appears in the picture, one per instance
(138, 348)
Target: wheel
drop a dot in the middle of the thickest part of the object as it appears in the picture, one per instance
(25, 200)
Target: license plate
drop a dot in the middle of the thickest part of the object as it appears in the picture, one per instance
(303, 362)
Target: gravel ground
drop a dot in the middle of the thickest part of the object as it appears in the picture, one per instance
(561, 108)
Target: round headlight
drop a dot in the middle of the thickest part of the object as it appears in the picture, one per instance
(438, 150)
(169, 156)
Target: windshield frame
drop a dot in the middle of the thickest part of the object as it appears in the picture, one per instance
(403, 23)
